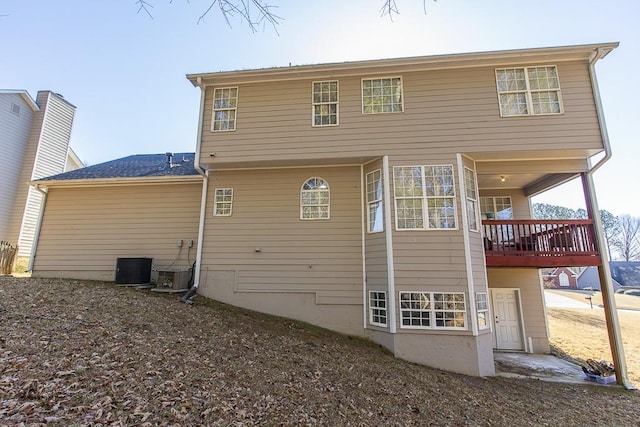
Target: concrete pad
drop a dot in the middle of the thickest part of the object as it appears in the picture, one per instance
(543, 367)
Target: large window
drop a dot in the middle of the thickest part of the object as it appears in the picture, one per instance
(225, 102)
(325, 103)
(528, 91)
(314, 199)
(382, 95)
(432, 310)
(374, 202)
(424, 197)
(378, 308)
(471, 193)
(496, 207)
(223, 202)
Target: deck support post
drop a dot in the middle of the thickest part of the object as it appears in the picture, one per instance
(606, 285)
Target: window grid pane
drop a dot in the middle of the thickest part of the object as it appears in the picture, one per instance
(223, 202)
(325, 103)
(482, 306)
(378, 308)
(314, 199)
(382, 95)
(225, 101)
(433, 310)
(374, 201)
(528, 91)
(471, 191)
(424, 192)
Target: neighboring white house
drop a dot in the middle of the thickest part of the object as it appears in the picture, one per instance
(34, 136)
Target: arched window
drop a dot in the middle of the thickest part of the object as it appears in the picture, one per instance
(314, 199)
(564, 279)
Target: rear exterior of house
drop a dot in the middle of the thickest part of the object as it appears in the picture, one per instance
(387, 199)
(391, 199)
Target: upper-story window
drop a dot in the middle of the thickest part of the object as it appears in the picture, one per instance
(225, 102)
(382, 95)
(528, 91)
(471, 193)
(424, 197)
(325, 103)
(314, 199)
(374, 201)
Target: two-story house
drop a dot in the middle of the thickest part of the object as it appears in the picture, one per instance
(388, 199)
(34, 136)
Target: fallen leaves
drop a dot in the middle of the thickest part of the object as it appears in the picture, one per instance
(88, 353)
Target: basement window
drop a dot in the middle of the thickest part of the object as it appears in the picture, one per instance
(378, 308)
(432, 310)
(482, 305)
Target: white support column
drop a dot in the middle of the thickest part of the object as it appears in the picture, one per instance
(391, 284)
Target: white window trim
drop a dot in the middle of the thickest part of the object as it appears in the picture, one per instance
(528, 91)
(495, 207)
(213, 110)
(425, 208)
(432, 312)
(216, 202)
(485, 310)
(385, 309)
(475, 200)
(381, 78)
(373, 202)
(328, 205)
(313, 104)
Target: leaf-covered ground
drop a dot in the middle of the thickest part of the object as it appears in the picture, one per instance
(89, 353)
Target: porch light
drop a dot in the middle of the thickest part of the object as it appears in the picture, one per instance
(502, 178)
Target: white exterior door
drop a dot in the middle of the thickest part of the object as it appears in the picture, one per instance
(506, 319)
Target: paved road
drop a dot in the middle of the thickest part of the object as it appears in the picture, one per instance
(558, 301)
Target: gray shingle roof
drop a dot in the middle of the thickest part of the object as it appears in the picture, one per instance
(136, 166)
(627, 273)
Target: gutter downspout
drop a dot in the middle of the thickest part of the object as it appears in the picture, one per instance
(604, 271)
(36, 236)
(187, 298)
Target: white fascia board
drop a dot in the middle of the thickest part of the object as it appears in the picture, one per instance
(418, 63)
(117, 182)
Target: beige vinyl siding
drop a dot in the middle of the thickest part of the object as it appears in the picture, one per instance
(50, 159)
(446, 111)
(375, 243)
(264, 254)
(85, 229)
(14, 134)
(527, 280)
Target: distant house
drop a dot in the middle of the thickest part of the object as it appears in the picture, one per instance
(561, 278)
(34, 136)
(388, 199)
(623, 273)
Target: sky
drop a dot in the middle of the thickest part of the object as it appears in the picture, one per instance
(125, 71)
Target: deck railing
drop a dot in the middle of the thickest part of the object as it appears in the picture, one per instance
(540, 243)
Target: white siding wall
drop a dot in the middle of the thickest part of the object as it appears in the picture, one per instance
(14, 134)
(50, 159)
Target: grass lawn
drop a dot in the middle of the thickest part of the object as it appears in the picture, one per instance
(582, 333)
(89, 353)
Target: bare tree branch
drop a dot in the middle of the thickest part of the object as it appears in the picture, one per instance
(143, 5)
(391, 8)
(257, 13)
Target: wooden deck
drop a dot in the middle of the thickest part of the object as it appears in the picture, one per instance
(540, 243)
